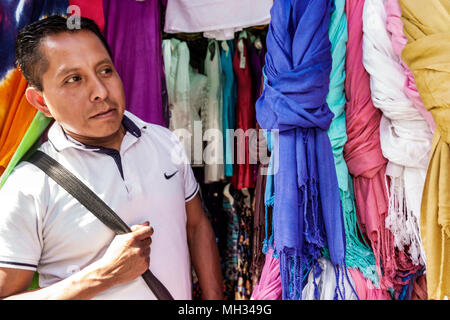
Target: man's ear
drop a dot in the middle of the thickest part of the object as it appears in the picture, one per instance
(35, 97)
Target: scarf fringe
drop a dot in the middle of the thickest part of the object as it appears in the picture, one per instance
(402, 222)
(268, 241)
(358, 255)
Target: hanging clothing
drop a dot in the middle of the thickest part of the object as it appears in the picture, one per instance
(244, 253)
(307, 209)
(243, 173)
(404, 134)
(212, 116)
(137, 58)
(229, 103)
(176, 69)
(394, 25)
(358, 255)
(362, 151)
(426, 53)
(258, 256)
(230, 258)
(218, 19)
(269, 286)
(92, 9)
(257, 61)
(16, 113)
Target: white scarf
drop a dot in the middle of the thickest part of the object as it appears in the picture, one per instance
(404, 134)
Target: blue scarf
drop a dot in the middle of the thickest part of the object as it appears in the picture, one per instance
(358, 255)
(307, 210)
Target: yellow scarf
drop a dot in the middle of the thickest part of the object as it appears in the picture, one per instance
(427, 27)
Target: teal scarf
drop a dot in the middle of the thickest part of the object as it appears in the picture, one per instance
(358, 255)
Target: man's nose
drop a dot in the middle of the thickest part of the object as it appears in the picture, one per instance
(99, 92)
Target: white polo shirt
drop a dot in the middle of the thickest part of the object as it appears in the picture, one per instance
(44, 228)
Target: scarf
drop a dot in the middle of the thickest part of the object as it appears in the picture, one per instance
(16, 113)
(269, 285)
(427, 28)
(394, 25)
(358, 255)
(404, 134)
(362, 151)
(307, 210)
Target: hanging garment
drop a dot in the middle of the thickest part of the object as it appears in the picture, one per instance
(394, 25)
(257, 61)
(92, 9)
(212, 116)
(362, 151)
(258, 226)
(269, 286)
(245, 148)
(404, 134)
(257, 55)
(245, 235)
(358, 255)
(218, 19)
(427, 28)
(16, 113)
(307, 209)
(229, 104)
(322, 287)
(420, 288)
(365, 288)
(137, 58)
(230, 258)
(176, 69)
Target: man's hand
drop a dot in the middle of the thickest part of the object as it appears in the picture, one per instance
(128, 255)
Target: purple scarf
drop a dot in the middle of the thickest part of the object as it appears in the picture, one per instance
(307, 210)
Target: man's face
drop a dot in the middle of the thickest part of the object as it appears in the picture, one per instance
(81, 87)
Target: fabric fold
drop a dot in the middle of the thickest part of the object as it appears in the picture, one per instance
(362, 150)
(307, 209)
(426, 53)
(358, 255)
(405, 136)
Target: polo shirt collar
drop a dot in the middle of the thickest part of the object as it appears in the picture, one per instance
(60, 140)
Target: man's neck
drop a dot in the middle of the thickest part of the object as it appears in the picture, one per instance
(113, 141)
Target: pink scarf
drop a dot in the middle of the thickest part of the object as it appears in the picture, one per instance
(365, 289)
(269, 286)
(362, 151)
(395, 27)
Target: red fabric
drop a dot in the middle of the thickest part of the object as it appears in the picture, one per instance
(92, 9)
(420, 288)
(243, 173)
(363, 153)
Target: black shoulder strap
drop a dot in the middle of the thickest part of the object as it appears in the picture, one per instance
(95, 205)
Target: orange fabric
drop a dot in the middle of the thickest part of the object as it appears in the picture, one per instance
(16, 114)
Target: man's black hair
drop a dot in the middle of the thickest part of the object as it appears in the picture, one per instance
(30, 58)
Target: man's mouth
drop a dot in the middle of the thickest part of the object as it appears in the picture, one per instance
(105, 114)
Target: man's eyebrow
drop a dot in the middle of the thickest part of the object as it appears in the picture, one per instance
(65, 71)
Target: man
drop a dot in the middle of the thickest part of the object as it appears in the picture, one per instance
(139, 169)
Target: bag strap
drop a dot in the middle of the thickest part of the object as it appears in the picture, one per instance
(95, 205)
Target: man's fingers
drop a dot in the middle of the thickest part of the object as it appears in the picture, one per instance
(143, 232)
(139, 226)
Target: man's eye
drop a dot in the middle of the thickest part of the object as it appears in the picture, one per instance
(106, 71)
(73, 79)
